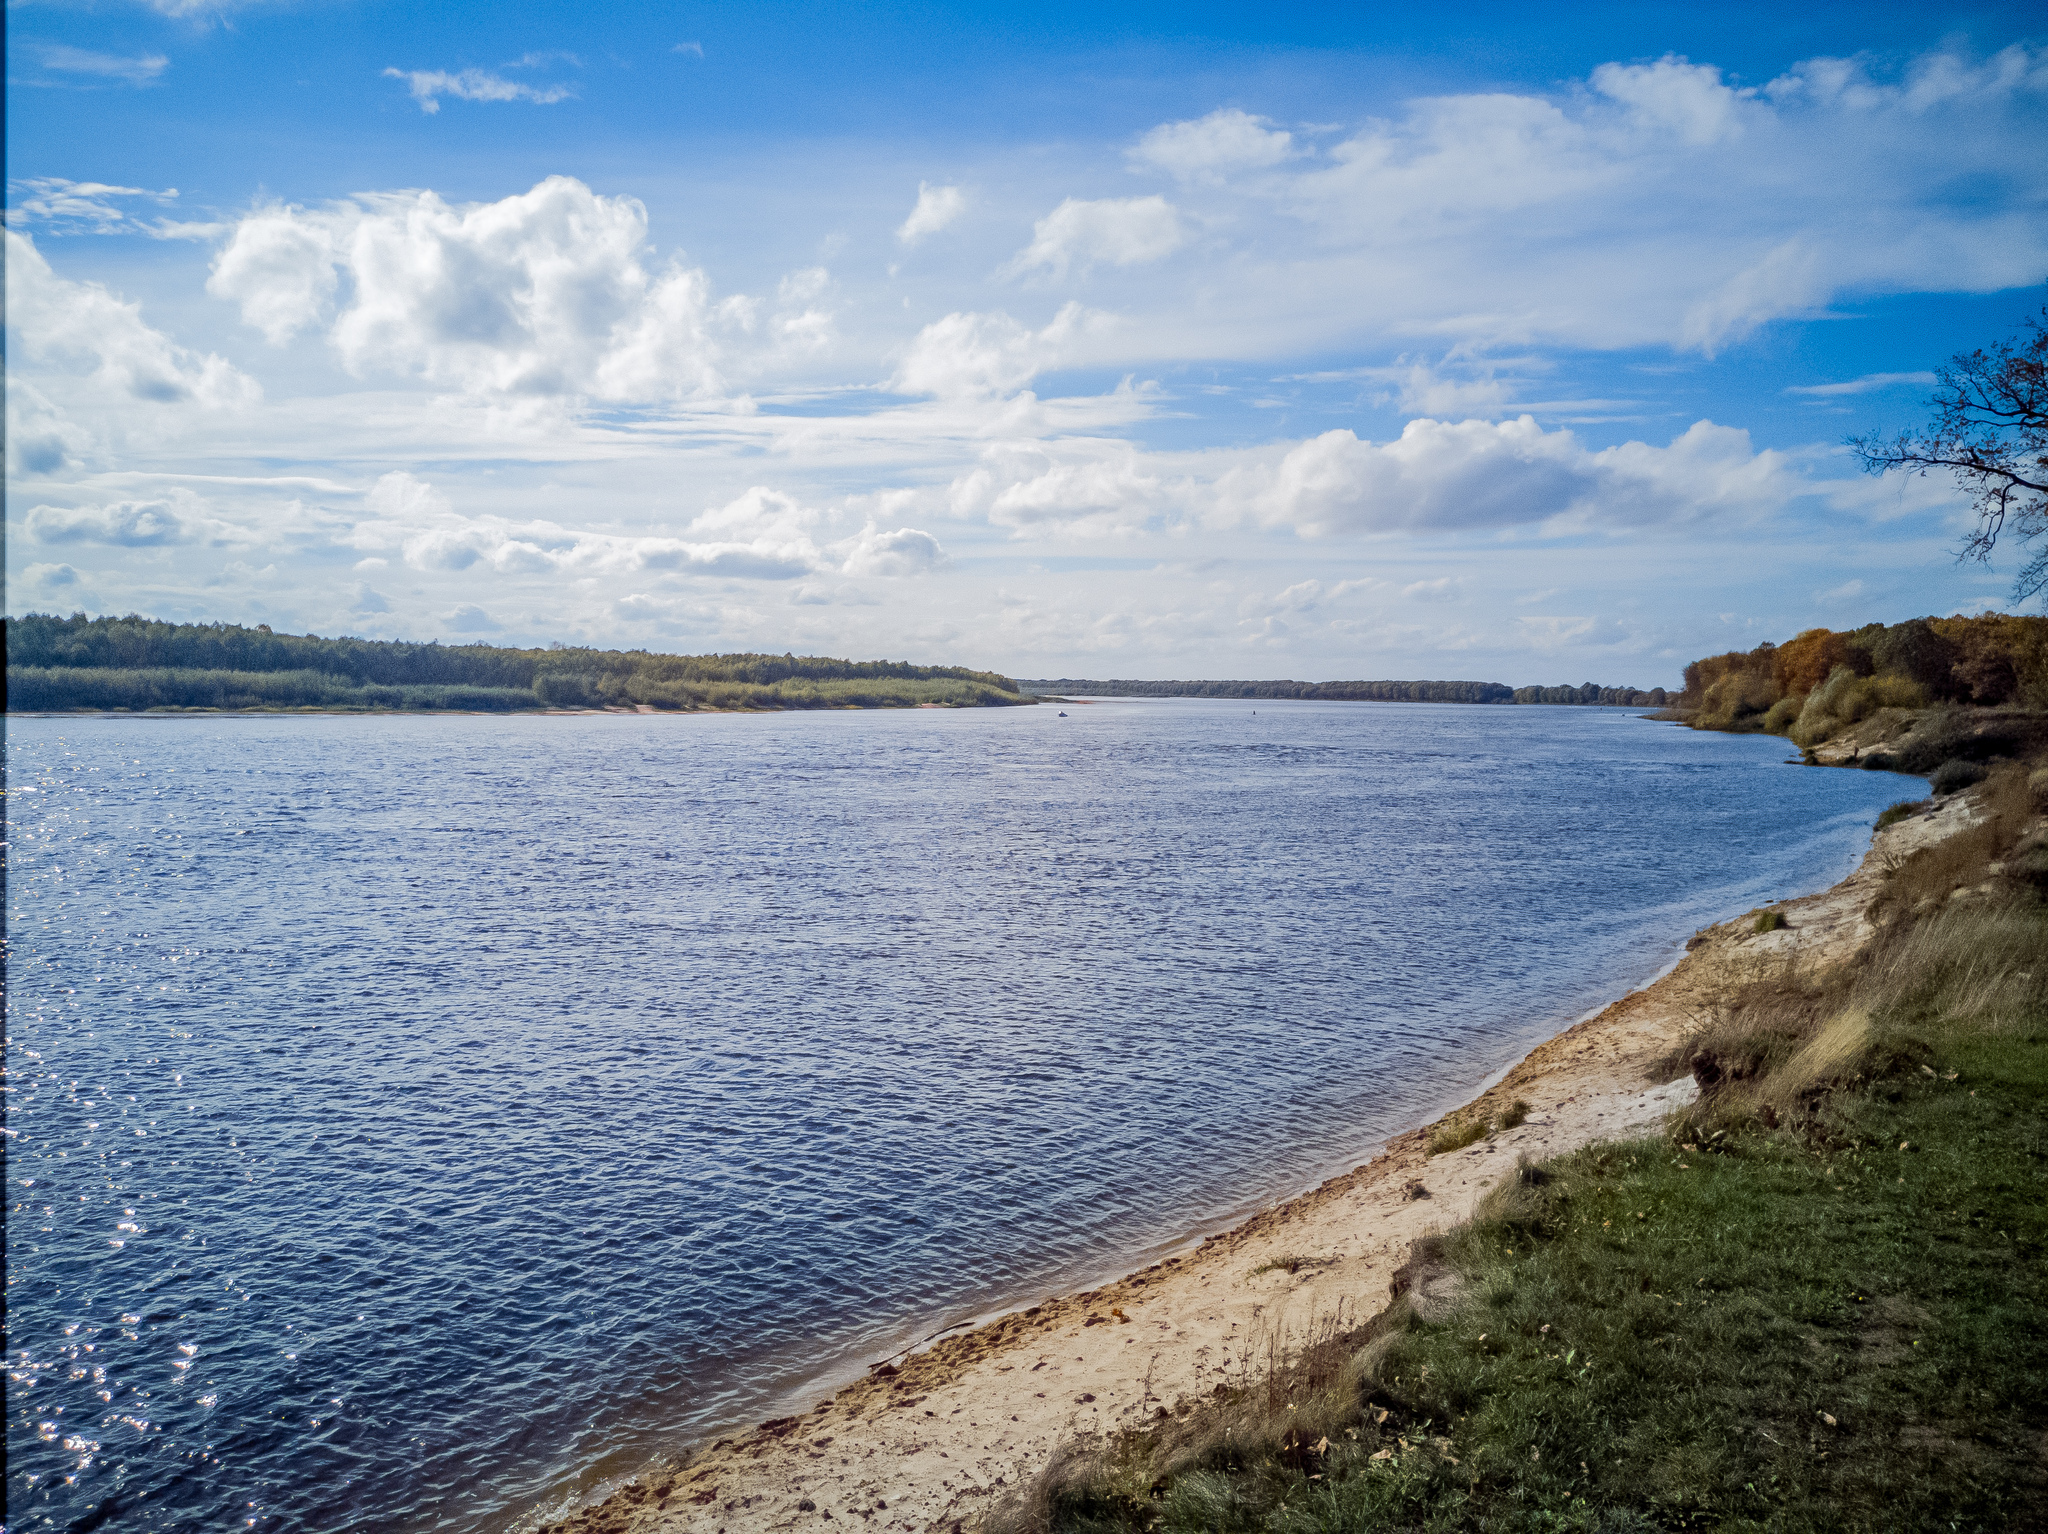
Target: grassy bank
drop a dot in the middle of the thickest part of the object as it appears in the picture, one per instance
(1817, 1303)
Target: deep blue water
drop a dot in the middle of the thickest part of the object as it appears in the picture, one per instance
(411, 1119)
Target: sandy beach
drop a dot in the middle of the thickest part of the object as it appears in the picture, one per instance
(930, 1442)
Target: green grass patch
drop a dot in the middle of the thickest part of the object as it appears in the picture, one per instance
(1459, 1133)
(1708, 1311)
(1762, 1333)
(1769, 921)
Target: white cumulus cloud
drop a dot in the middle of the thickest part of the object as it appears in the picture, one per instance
(549, 292)
(981, 354)
(1109, 231)
(41, 439)
(937, 206)
(1689, 100)
(124, 524)
(82, 328)
(906, 551)
(1442, 476)
(1212, 147)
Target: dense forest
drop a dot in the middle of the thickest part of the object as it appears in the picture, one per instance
(1356, 692)
(1819, 683)
(139, 663)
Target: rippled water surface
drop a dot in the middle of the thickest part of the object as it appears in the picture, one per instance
(412, 1119)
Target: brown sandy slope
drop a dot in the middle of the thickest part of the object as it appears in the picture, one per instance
(929, 1445)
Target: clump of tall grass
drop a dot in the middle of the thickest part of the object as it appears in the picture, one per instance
(1778, 1046)
(1463, 1129)
(1905, 809)
(1955, 775)
(1459, 1132)
(2004, 804)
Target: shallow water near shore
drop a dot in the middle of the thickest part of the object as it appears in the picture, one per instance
(413, 1118)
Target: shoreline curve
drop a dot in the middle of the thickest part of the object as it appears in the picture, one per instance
(926, 1441)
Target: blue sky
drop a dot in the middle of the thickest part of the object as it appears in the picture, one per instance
(1172, 341)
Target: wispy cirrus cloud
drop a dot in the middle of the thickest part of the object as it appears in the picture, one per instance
(1863, 385)
(85, 66)
(63, 206)
(200, 11)
(428, 86)
(77, 207)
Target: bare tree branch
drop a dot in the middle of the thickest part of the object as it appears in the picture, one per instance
(1990, 430)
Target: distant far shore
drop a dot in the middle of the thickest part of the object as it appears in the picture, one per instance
(369, 711)
(140, 665)
(1586, 694)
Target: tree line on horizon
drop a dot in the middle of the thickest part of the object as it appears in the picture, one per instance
(1823, 680)
(1590, 693)
(57, 664)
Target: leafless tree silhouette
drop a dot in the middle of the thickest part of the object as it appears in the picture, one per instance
(1990, 430)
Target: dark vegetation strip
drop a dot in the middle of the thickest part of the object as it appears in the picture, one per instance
(55, 664)
(1818, 1303)
(1356, 692)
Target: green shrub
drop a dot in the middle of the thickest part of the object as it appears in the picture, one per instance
(1736, 700)
(1783, 714)
(565, 689)
(1955, 775)
(1769, 921)
(1846, 698)
(1517, 1114)
(1905, 809)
